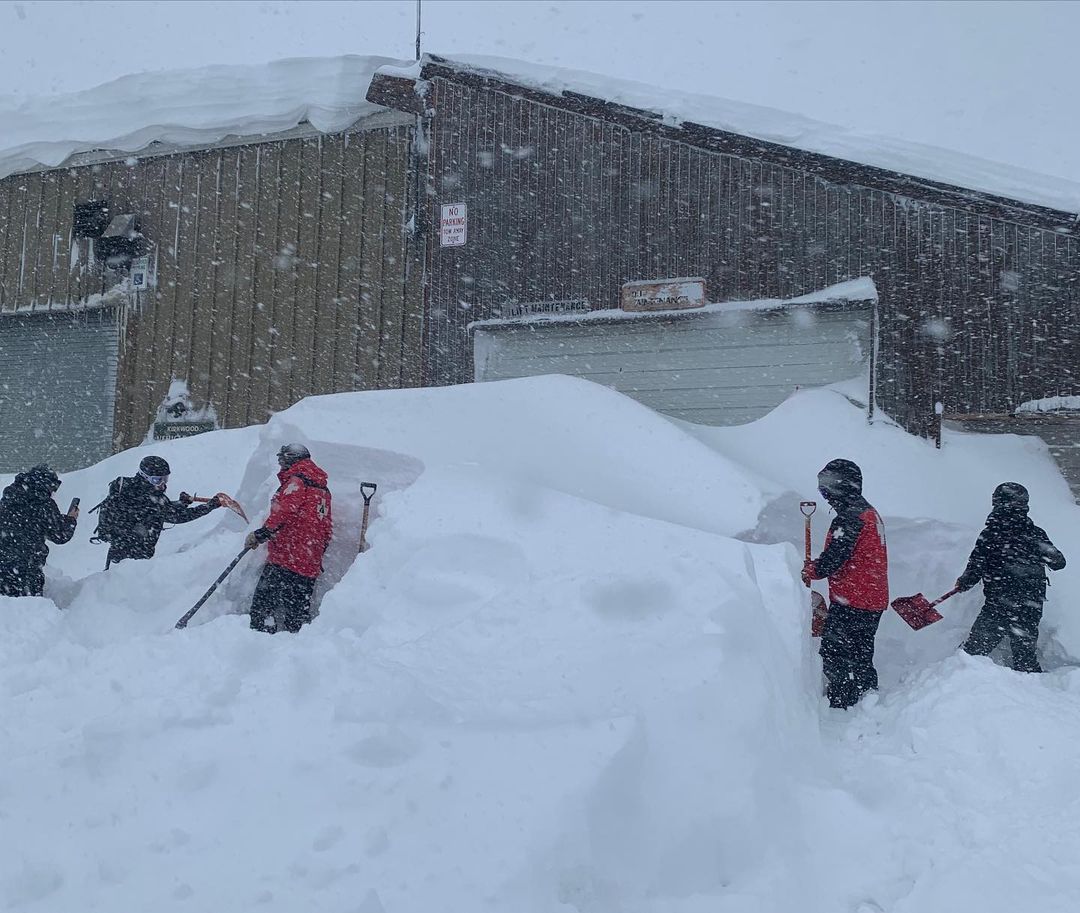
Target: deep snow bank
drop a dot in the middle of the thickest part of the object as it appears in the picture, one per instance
(556, 682)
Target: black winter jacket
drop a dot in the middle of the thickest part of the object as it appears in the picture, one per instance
(142, 514)
(28, 517)
(1010, 558)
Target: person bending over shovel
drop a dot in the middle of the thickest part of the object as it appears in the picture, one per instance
(856, 563)
(1010, 558)
(298, 531)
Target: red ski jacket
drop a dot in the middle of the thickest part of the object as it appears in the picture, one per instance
(858, 570)
(300, 522)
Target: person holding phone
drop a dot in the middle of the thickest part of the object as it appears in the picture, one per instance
(29, 517)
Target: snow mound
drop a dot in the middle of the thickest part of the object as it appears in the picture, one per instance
(555, 682)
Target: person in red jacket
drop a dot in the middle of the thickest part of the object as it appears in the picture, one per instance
(856, 563)
(297, 532)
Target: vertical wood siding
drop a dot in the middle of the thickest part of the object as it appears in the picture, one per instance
(284, 269)
(978, 312)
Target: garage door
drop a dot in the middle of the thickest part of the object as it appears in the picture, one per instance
(715, 368)
(57, 389)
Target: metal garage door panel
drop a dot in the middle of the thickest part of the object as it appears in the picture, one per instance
(721, 368)
(57, 389)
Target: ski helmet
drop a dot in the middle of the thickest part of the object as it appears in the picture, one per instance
(840, 479)
(292, 453)
(1010, 495)
(153, 466)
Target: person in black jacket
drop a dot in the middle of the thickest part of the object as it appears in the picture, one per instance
(28, 517)
(134, 515)
(1010, 558)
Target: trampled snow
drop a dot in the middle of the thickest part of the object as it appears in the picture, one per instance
(573, 672)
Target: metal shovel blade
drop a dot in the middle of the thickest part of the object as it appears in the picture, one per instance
(916, 611)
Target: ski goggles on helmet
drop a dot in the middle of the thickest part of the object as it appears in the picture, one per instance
(158, 482)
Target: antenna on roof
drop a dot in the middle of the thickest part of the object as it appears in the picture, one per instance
(418, 3)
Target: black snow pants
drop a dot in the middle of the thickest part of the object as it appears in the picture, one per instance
(847, 654)
(282, 600)
(22, 580)
(1016, 620)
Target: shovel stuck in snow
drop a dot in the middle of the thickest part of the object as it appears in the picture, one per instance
(367, 492)
(918, 611)
(819, 608)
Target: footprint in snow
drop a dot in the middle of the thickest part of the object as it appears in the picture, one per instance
(390, 748)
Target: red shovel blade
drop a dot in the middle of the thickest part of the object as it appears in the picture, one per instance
(226, 501)
(232, 504)
(819, 612)
(916, 611)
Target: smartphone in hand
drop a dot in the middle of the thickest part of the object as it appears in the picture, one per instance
(73, 508)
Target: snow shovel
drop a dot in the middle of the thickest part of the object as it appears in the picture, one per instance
(190, 613)
(918, 611)
(367, 491)
(226, 501)
(819, 608)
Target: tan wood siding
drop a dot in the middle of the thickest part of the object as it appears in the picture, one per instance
(282, 269)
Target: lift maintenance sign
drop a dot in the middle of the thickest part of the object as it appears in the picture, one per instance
(453, 225)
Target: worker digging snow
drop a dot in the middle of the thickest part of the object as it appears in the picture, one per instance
(297, 532)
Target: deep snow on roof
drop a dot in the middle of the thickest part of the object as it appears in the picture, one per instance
(201, 106)
(193, 107)
(787, 129)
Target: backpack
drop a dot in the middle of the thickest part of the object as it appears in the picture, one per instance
(110, 513)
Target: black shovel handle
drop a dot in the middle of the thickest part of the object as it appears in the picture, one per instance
(367, 495)
(190, 613)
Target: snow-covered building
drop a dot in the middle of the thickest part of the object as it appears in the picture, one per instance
(240, 229)
(576, 184)
(318, 226)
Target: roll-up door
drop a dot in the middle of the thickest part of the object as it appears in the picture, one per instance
(57, 388)
(715, 367)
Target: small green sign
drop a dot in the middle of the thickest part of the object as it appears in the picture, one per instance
(170, 431)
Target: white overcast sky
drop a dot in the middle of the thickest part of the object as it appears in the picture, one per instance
(994, 79)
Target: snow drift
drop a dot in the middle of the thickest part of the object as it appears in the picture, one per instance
(572, 673)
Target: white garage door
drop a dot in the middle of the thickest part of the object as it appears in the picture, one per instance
(714, 368)
(57, 389)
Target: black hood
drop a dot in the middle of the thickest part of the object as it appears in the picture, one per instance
(840, 480)
(1010, 497)
(40, 481)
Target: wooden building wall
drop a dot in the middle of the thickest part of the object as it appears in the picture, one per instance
(284, 269)
(980, 301)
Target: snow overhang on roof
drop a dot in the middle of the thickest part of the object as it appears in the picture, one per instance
(191, 108)
(909, 169)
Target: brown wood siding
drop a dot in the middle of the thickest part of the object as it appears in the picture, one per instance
(284, 269)
(979, 308)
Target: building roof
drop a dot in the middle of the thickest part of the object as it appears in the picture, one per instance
(188, 108)
(203, 106)
(925, 167)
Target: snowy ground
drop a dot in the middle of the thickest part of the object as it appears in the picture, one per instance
(572, 673)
